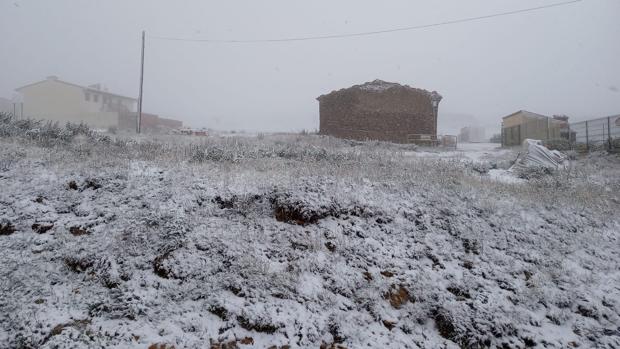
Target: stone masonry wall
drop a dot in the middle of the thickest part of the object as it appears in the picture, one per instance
(389, 115)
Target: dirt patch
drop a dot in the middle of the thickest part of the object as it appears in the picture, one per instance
(471, 246)
(72, 185)
(294, 215)
(445, 325)
(258, 326)
(56, 330)
(6, 227)
(332, 346)
(460, 293)
(92, 183)
(161, 346)
(42, 228)
(78, 264)
(387, 274)
(389, 324)
(160, 268)
(225, 203)
(397, 296)
(78, 231)
(219, 311)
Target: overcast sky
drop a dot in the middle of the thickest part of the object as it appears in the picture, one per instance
(560, 60)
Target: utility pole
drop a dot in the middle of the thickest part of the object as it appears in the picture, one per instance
(139, 121)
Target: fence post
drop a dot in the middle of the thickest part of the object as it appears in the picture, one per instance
(609, 132)
(587, 139)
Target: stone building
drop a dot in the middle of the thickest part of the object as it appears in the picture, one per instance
(380, 110)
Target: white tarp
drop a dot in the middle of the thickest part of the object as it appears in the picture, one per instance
(535, 154)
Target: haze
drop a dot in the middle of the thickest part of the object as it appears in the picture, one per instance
(563, 60)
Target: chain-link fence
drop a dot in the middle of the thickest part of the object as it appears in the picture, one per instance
(596, 134)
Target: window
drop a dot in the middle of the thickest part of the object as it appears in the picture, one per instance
(87, 96)
(96, 98)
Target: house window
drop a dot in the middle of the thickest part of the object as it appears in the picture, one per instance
(87, 96)
(96, 98)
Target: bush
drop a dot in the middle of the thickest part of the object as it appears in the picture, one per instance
(534, 172)
(47, 133)
(558, 144)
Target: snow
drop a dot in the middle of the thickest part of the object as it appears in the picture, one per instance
(378, 86)
(304, 241)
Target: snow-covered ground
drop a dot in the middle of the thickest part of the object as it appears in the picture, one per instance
(302, 242)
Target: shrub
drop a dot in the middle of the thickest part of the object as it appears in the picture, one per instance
(558, 144)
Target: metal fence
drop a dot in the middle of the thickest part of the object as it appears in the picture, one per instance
(596, 134)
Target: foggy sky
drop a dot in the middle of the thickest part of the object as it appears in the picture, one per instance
(563, 60)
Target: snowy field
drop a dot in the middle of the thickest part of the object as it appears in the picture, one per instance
(291, 241)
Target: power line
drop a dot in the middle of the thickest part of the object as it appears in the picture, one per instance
(369, 33)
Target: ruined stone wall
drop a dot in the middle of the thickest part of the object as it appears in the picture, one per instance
(389, 115)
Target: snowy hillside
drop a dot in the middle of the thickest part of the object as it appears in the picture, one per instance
(299, 242)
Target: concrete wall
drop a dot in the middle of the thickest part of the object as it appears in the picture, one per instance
(391, 115)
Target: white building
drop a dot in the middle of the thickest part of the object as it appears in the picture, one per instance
(57, 100)
(472, 134)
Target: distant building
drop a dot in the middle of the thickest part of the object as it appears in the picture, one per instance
(523, 124)
(57, 100)
(6, 106)
(471, 134)
(380, 110)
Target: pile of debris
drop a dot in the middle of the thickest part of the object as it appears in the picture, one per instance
(538, 158)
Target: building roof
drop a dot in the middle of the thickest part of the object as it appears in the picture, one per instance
(87, 88)
(526, 113)
(380, 86)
